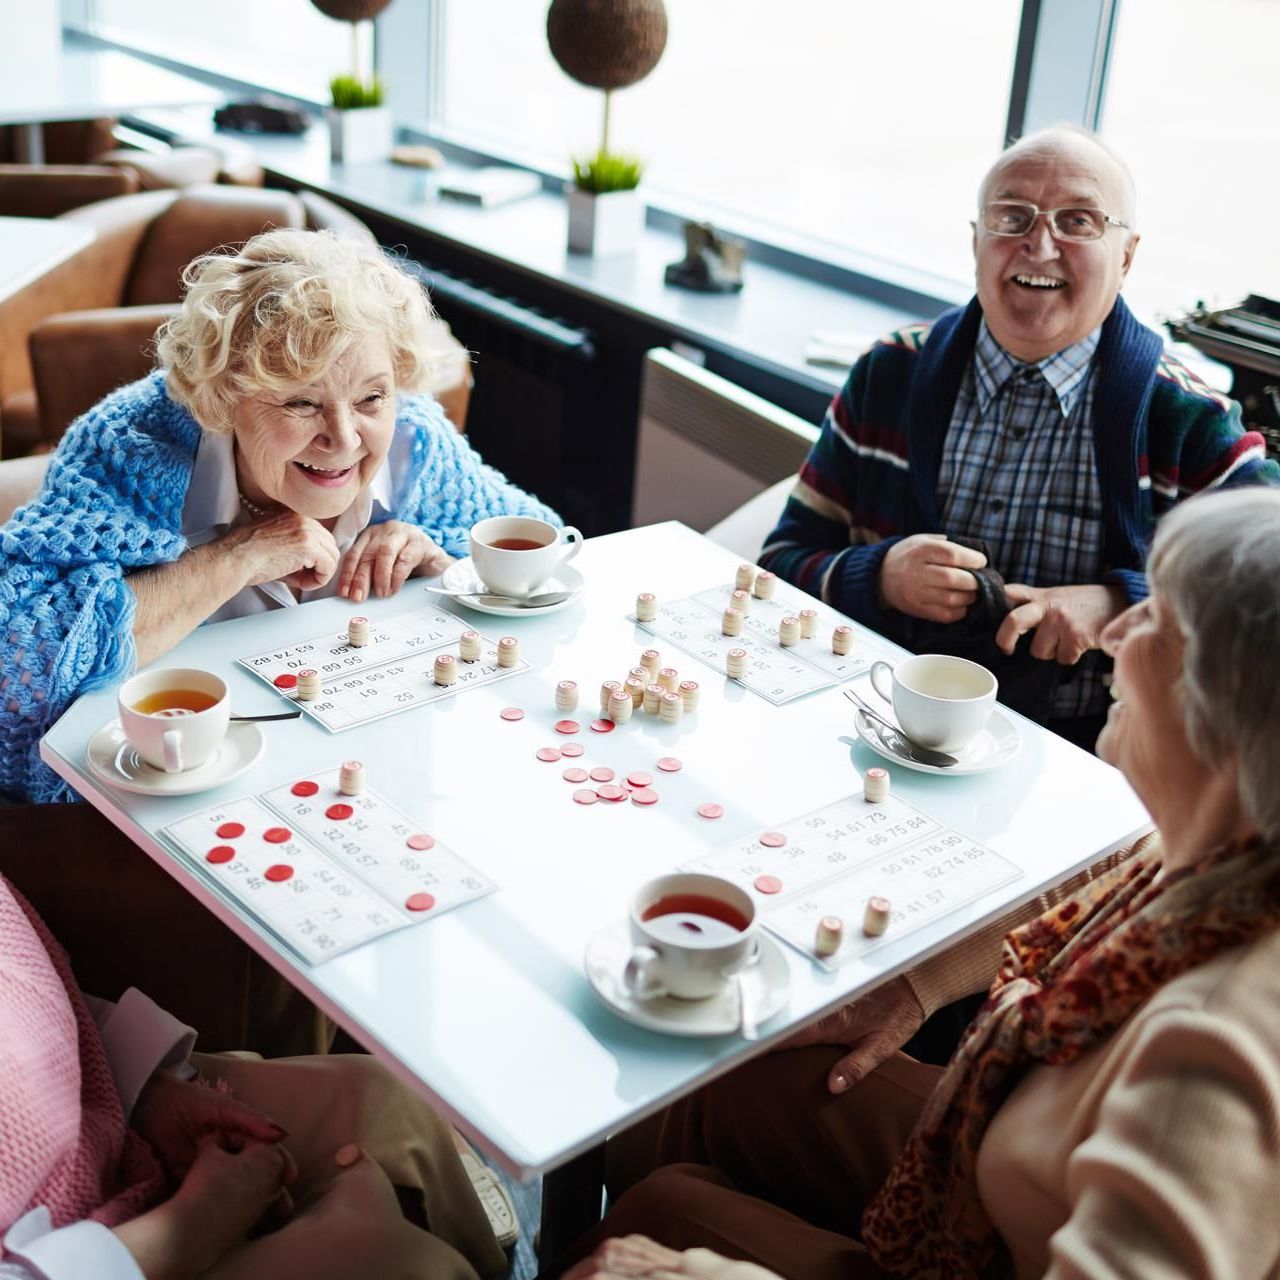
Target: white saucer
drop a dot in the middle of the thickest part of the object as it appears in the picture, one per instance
(114, 761)
(769, 982)
(460, 579)
(996, 745)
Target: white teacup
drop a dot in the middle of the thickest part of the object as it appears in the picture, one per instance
(692, 933)
(515, 555)
(940, 701)
(174, 718)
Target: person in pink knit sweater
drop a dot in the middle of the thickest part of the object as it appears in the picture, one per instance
(125, 1157)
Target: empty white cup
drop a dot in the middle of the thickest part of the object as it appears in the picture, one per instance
(175, 738)
(940, 701)
(520, 570)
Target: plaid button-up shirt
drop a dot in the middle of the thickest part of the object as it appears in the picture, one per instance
(1018, 471)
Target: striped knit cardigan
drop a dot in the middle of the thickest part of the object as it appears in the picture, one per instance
(1160, 434)
(112, 504)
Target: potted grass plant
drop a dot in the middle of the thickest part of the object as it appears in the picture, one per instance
(606, 209)
(359, 123)
(607, 45)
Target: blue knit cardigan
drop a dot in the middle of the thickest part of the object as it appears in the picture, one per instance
(111, 504)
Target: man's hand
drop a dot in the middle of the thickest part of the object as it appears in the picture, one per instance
(175, 1116)
(924, 576)
(1067, 621)
(873, 1028)
(384, 555)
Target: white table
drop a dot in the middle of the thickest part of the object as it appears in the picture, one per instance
(486, 1011)
(73, 82)
(31, 247)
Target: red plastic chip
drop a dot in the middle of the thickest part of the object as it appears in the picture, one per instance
(548, 755)
(421, 841)
(768, 884)
(602, 773)
(286, 680)
(669, 764)
(230, 830)
(639, 779)
(567, 726)
(574, 775)
(773, 839)
(305, 788)
(585, 796)
(711, 810)
(572, 749)
(602, 726)
(612, 792)
(419, 902)
(644, 795)
(511, 713)
(277, 835)
(220, 853)
(279, 873)
(339, 812)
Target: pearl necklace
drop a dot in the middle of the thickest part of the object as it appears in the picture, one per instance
(252, 508)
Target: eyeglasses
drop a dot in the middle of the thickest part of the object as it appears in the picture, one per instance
(1013, 218)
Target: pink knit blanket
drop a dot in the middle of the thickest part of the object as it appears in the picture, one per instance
(63, 1139)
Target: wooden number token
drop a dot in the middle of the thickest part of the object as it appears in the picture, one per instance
(470, 646)
(741, 600)
(828, 936)
(567, 695)
(808, 625)
(764, 585)
(446, 669)
(788, 632)
(634, 685)
(508, 651)
(689, 693)
(669, 679)
(351, 778)
(745, 578)
(646, 606)
(875, 785)
(653, 698)
(735, 664)
(876, 918)
(671, 708)
(607, 690)
(731, 623)
(358, 632)
(620, 706)
(651, 660)
(842, 640)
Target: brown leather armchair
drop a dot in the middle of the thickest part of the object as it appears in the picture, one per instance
(86, 327)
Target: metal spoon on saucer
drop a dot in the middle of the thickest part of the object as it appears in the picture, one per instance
(540, 601)
(912, 750)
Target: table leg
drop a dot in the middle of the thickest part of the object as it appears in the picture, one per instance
(30, 143)
(571, 1199)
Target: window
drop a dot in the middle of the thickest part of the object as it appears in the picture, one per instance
(1192, 104)
(285, 45)
(858, 125)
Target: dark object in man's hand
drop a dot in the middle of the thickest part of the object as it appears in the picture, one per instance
(712, 261)
(261, 117)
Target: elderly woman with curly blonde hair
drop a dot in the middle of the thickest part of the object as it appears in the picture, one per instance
(279, 454)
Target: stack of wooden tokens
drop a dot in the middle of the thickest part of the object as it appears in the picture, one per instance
(669, 679)
(741, 600)
(842, 640)
(470, 646)
(653, 697)
(446, 669)
(689, 692)
(567, 695)
(745, 578)
(351, 778)
(670, 708)
(358, 632)
(829, 936)
(607, 690)
(308, 684)
(764, 585)
(620, 706)
(808, 623)
(646, 606)
(788, 632)
(876, 918)
(731, 624)
(735, 664)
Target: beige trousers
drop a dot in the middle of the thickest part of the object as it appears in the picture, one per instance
(766, 1166)
(348, 1223)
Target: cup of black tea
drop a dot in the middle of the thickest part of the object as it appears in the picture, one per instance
(691, 934)
(515, 555)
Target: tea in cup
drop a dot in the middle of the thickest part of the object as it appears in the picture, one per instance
(175, 718)
(515, 555)
(940, 701)
(691, 934)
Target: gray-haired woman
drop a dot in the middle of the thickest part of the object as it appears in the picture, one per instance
(1114, 1108)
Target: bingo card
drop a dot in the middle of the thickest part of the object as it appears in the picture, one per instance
(326, 872)
(829, 862)
(775, 673)
(393, 672)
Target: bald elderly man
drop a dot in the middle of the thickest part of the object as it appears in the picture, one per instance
(1041, 424)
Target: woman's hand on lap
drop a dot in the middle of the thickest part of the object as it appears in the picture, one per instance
(384, 556)
(872, 1028)
(636, 1256)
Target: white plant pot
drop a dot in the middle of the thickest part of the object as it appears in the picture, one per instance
(606, 224)
(359, 135)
